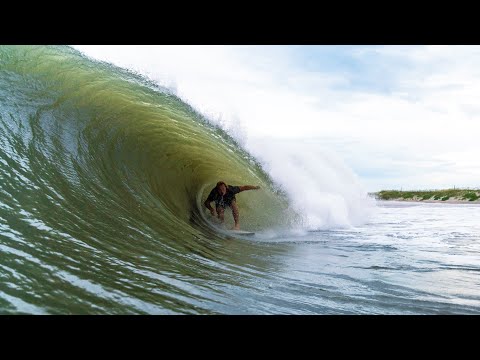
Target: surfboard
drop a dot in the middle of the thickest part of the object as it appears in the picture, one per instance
(242, 232)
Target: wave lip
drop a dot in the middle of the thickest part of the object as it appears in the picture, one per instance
(109, 147)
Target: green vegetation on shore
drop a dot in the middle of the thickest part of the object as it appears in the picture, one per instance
(443, 195)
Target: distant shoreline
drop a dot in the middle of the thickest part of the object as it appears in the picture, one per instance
(447, 196)
(449, 201)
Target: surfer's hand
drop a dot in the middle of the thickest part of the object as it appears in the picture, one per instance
(213, 212)
(257, 187)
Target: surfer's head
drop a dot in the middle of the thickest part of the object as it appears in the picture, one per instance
(221, 188)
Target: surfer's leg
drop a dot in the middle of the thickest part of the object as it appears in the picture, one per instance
(220, 213)
(235, 213)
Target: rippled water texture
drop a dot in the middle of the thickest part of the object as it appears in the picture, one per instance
(102, 175)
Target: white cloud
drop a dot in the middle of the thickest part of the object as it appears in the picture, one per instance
(427, 113)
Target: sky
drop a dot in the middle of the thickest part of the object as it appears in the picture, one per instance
(400, 117)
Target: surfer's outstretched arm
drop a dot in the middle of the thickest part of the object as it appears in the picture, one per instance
(249, 187)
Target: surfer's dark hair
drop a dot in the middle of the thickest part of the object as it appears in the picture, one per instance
(221, 183)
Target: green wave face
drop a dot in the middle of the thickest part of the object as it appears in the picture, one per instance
(95, 159)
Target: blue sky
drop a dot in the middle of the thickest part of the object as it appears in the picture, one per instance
(398, 116)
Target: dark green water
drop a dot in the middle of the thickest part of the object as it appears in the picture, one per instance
(102, 175)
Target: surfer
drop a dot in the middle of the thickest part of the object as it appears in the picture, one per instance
(224, 195)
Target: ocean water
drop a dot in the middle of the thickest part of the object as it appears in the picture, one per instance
(102, 178)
